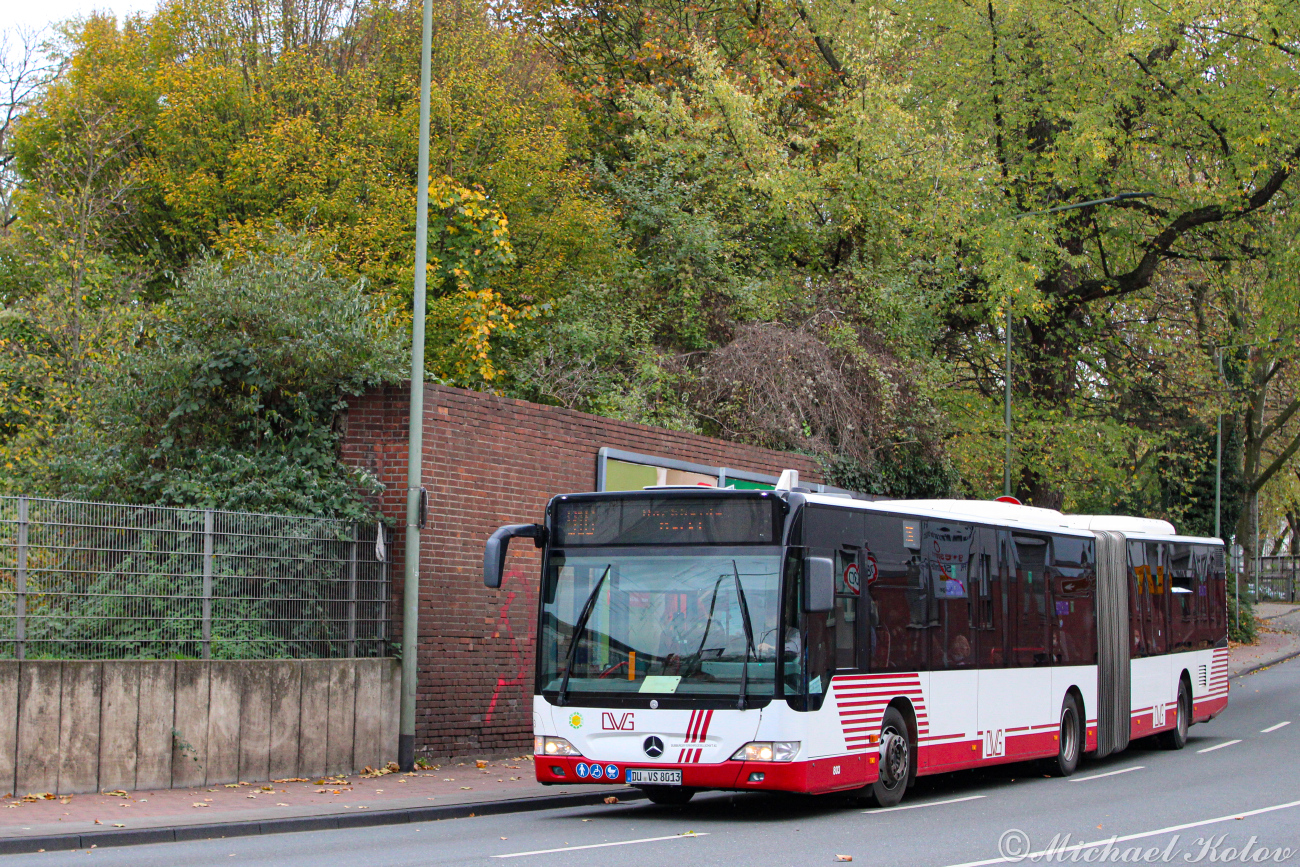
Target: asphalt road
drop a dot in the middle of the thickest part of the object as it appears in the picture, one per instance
(1236, 780)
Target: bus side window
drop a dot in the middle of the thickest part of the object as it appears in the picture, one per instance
(1030, 601)
(988, 584)
(1202, 558)
(1137, 598)
(1218, 595)
(896, 596)
(792, 657)
(1073, 600)
(1156, 614)
(1182, 596)
(950, 553)
(848, 587)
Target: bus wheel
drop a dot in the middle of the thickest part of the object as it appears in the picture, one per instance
(668, 796)
(1176, 738)
(895, 760)
(1069, 739)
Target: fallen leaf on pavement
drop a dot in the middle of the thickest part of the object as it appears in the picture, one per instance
(292, 780)
(199, 804)
(843, 857)
(611, 800)
(118, 793)
(281, 805)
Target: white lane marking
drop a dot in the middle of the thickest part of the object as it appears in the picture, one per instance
(1033, 856)
(1219, 746)
(603, 845)
(1107, 774)
(929, 804)
(1275, 728)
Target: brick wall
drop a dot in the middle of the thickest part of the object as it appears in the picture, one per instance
(490, 461)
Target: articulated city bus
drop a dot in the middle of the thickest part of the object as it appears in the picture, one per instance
(697, 638)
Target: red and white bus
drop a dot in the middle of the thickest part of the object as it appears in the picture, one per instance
(695, 639)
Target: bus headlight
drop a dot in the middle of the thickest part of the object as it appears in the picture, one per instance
(549, 746)
(768, 751)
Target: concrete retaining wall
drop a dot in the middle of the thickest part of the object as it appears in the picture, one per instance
(72, 726)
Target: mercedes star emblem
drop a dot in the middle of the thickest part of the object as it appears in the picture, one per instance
(654, 748)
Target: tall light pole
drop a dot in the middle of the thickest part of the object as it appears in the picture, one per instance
(1006, 459)
(411, 574)
(1218, 456)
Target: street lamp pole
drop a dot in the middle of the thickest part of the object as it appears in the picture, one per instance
(1218, 457)
(411, 574)
(1006, 459)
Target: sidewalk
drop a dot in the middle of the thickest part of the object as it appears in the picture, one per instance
(1279, 639)
(498, 786)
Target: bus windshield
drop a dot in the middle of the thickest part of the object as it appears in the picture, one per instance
(662, 621)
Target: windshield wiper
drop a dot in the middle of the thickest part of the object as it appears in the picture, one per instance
(578, 629)
(749, 639)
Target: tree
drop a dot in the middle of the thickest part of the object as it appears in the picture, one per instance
(23, 73)
(230, 401)
(66, 297)
(1078, 103)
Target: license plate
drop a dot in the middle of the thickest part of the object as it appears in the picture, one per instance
(655, 776)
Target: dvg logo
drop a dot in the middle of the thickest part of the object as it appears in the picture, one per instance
(654, 748)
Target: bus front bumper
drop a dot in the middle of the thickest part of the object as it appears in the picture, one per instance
(838, 773)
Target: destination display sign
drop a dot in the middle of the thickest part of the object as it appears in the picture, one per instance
(669, 521)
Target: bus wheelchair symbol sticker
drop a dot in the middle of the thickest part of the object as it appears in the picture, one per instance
(597, 771)
(583, 770)
(611, 772)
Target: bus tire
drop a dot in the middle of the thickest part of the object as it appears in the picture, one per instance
(1069, 739)
(895, 760)
(1176, 738)
(668, 796)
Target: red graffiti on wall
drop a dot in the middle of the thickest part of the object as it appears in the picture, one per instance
(518, 644)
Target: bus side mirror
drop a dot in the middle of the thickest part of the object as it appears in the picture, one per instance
(819, 594)
(494, 555)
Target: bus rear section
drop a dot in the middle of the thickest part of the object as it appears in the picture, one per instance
(788, 641)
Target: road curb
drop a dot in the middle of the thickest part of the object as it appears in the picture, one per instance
(368, 819)
(1266, 664)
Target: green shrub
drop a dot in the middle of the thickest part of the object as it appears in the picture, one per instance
(1242, 629)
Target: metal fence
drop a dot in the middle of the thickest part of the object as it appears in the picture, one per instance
(109, 581)
(1277, 579)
